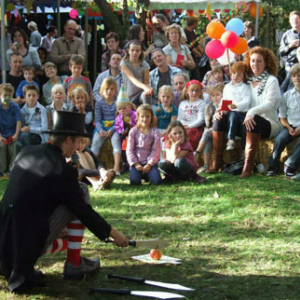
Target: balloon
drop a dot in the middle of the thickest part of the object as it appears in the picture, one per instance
(240, 47)
(229, 39)
(73, 13)
(236, 25)
(214, 49)
(49, 17)
(215, 30)
(252, 10)
(223, 60)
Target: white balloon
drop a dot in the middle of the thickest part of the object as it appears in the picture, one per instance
(223, 60)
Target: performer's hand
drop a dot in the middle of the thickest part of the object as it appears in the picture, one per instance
(118, 238)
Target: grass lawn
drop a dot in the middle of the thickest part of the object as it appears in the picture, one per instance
(238, 240)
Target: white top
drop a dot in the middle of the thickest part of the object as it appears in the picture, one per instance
(192, 113)
(266, 104)
(240, 95)
(290, 107)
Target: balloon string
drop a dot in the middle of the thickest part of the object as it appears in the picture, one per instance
(228, 58)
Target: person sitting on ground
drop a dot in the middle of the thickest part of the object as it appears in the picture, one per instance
(76, 79)
(41, 210)
(34, 119)
(143, 148)
(29, 74)
(289, 114)
(179, 163)
(90, 169)
(10, 127)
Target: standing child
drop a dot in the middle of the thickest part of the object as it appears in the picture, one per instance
(10, 126)
(166, 111)
(216, 95)
(105, 114)
(125, 120)
(179, 163)
(191, 111)
(76, 65)
(143, 148)
(80, 100)
(136, 74)
(29, 74)
(58, 96)
(34, 119)
(239, 93)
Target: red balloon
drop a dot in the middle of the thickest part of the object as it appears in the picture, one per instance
(240, 47)
(229, 39)
(214, 49)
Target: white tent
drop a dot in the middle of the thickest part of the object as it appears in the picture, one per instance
(195, 4)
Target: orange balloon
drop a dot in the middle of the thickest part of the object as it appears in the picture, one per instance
(252, 10)
(215, 30)
(240, 47)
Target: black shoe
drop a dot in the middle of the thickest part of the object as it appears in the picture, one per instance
(289, 172)
(36, 279)
(272, 172)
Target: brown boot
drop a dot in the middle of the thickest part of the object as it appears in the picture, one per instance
(218, 147)
(252, 140)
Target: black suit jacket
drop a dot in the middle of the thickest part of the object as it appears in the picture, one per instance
(40, 181)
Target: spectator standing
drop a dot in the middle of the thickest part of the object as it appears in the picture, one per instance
(35, 36)
(64, 47)
(49, 38)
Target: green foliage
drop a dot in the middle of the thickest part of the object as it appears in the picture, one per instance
(238, 239)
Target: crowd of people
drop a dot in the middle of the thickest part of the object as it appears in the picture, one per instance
(156, 105)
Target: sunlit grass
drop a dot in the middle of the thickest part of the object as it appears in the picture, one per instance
(238, 239)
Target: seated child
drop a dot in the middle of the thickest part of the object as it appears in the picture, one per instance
(91, 168)
(239, 93)
(179, 82)
(207, 79)
(51, 73)
(191, 111)
(217, 75)
(58, 96)
(81, 104)
(76, 65)
(289, 114)
(179, 163)
(34, 119)
(105, 114)
(166, 111)
(143, 148)
(125, 120)
(29, 74)
(10, 126)
(216, 94)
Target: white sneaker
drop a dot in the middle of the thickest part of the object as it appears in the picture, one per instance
(204, 169)
(230, 145)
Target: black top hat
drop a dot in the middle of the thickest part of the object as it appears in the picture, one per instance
(68, 123)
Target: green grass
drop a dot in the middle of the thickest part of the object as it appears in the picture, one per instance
(238, 240)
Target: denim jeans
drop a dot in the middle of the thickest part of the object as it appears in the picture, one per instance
(180, 169)
(137, 176)
(236, 127)
(280, 142)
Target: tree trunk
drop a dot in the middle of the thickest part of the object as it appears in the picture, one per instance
(109, 18)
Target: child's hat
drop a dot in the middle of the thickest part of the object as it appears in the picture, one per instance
(122, 96)
(194, 81)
